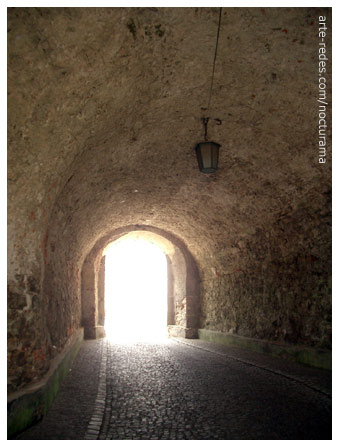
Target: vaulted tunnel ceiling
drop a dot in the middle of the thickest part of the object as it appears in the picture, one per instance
(104, 113)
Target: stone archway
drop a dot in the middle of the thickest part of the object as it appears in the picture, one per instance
(183, 308)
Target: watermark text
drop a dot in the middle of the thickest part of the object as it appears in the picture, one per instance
(322, 94)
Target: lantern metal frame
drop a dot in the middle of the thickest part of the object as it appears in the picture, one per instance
(207, 156)
(207, 152)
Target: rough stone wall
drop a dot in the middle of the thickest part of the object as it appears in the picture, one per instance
(104, 112)
(101, 293)
(178, 264)
(279, 286)
(28, 351)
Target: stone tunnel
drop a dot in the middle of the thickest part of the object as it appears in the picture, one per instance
(105, 109)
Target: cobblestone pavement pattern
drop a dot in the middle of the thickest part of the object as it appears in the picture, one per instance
(191, 390)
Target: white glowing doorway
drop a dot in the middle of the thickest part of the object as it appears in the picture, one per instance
(135, 291)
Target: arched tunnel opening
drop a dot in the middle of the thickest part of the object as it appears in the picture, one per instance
(132, 257)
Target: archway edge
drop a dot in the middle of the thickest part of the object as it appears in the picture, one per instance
(183, 280)
(154, 234)
(163, 243)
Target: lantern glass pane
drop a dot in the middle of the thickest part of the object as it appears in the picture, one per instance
(206, 155)
(214, 149)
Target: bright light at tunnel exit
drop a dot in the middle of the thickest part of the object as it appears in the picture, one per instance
(135, 292)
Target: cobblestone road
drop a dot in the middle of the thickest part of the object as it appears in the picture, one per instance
(187, 391)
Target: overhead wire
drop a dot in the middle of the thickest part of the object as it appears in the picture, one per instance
(214, 63)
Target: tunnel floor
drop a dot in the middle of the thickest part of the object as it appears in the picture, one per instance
(186, 389)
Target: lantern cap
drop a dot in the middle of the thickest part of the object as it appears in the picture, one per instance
(208, 142)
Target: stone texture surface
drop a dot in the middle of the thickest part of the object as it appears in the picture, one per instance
(277, 288)
(175, 391)
(104, 109)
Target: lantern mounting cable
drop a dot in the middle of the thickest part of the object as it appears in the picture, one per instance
(206, 119)
(205, 124)
(208, 152)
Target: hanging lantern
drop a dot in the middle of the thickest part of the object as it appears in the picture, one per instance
(207, 152)
(207, 156)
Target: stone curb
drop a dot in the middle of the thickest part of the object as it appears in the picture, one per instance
(308, 356)
(29, 405)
